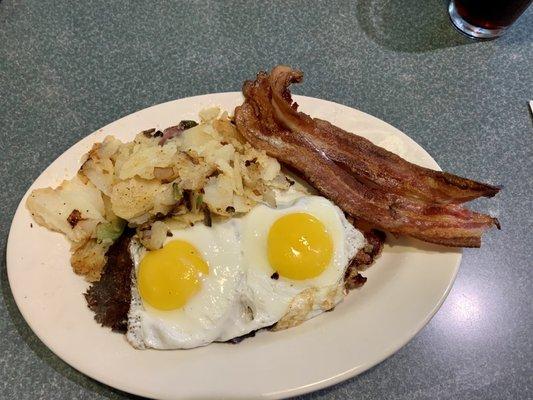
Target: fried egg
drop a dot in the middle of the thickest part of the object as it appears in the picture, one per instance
(272, 267)
(295, 256)
(184, 293)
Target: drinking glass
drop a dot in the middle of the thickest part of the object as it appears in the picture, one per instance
(485, 19)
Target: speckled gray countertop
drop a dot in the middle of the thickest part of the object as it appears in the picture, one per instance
(68, 68)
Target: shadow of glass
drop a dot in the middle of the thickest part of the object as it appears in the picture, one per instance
(411, 26)
(41, 351)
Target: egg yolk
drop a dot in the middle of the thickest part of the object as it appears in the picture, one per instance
(167, 278)
(299, 246)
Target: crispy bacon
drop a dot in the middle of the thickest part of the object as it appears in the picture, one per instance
(365, 180)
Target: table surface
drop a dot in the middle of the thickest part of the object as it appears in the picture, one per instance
(68, 68)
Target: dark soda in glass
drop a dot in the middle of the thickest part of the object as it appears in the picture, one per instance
(485, 18)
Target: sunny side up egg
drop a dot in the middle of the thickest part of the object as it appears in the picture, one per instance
(296, 257)
(183, 293)
(277, 266)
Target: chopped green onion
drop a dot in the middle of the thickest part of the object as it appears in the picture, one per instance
(178, 194)
(199, 201)
(110, 231)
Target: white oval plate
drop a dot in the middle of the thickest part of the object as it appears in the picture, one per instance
(405, 288)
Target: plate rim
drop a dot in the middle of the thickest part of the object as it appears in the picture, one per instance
(318, 385)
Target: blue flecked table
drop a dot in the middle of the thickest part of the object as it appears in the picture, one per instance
(68, 68)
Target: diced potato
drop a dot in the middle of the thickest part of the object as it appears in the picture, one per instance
(139, 220)
(164, 200)
(207, 150)
(269, 197)
(254, 195)
(270, 167)
(108, 147)
(211, 132)
(88, 259)
(209, 114)
(242, 204)
(122, 155)
(139, 183)
(194, 139)
(144, 158)
(237, 176)
(185, 220)
(224, 156)
(133, 197)
(229, 133)
(154, 237)
(192, 176)
(218, 192)
(279, 182)
(109, 214)
(53, 207)
(100, 173)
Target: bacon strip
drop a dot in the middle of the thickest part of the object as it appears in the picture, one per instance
(365, 180)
